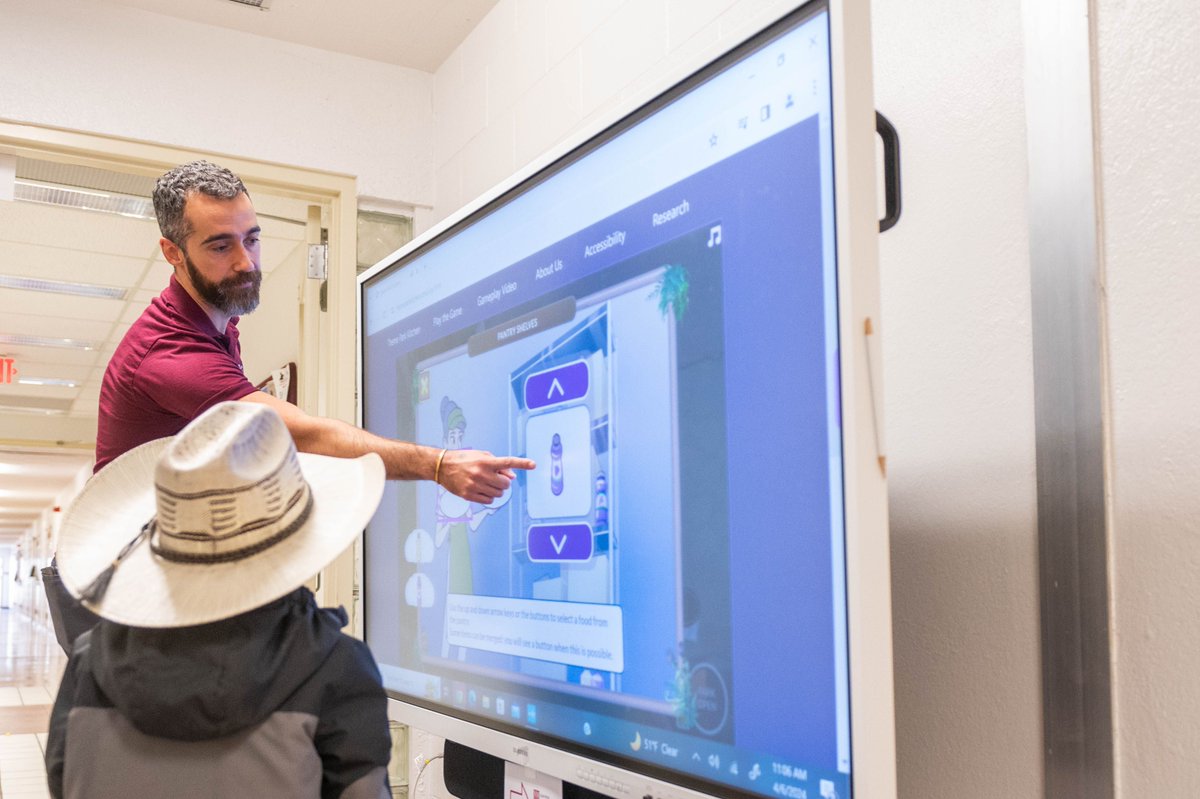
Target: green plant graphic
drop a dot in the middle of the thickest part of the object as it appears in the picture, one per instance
(672, 291)
(679, 694)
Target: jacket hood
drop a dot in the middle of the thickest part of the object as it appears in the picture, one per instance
(212, 680)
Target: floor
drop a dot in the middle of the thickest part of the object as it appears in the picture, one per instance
(31, 665)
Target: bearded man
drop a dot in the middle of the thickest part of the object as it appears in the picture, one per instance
(182, 356)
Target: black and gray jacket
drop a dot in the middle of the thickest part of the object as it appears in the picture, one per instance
(276, 702)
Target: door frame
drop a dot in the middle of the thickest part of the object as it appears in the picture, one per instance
(326, 372)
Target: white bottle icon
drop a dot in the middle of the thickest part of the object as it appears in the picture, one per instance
(556, 465)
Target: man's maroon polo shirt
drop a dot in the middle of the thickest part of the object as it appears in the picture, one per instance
(171, 366)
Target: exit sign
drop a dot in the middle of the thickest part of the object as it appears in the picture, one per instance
(8, 370)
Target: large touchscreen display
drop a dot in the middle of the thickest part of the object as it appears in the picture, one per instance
(653, 321)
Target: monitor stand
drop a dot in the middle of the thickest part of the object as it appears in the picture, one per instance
(471, 774)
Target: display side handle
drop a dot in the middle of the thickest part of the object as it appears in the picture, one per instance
(891, 171)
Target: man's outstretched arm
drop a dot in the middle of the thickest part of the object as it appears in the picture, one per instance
(472, 474)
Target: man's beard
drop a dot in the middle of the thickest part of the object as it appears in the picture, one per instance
(229, 296)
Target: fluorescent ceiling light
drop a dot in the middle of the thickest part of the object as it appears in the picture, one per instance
(62, 287)
(85, 199)
(34, 411)
(265, 5)
(44, 341)
(47, 381)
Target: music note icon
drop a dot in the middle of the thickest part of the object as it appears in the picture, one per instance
(714, 236)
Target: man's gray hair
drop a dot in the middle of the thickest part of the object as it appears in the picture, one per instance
(172, 190)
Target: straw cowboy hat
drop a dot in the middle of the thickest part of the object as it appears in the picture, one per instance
(220, 519)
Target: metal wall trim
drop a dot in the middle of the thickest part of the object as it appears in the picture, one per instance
(1068, 352)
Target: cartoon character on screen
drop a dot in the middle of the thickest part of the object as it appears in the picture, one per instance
(457, 517)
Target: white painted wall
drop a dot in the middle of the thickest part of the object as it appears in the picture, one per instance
(534, 73)
(1147, 75)
(6, 575)
(37, 546)
(958, 364)
(104, 68)
(958, 375)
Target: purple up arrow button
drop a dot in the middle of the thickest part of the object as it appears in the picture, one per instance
(556, 542)
(560, 384)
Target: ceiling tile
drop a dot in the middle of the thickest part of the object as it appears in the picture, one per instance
(119, 332)
(51, 356)
(132, 311)
(51, 262)
(157, 276)
(32, 397)
(86, 231)
(58, 397)
(34, 368)
(33, 325)
(61, 307)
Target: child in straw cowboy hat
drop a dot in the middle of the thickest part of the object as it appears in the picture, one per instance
(212, 672)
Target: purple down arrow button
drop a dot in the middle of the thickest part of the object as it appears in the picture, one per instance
(560, 384)
(556, 542)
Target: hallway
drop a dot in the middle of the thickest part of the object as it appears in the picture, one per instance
(31, 665)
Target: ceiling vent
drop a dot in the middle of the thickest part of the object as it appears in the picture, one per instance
(265, 5)
(71, 197)
(22, 340)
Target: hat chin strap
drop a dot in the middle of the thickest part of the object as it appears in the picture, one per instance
(97, 588)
